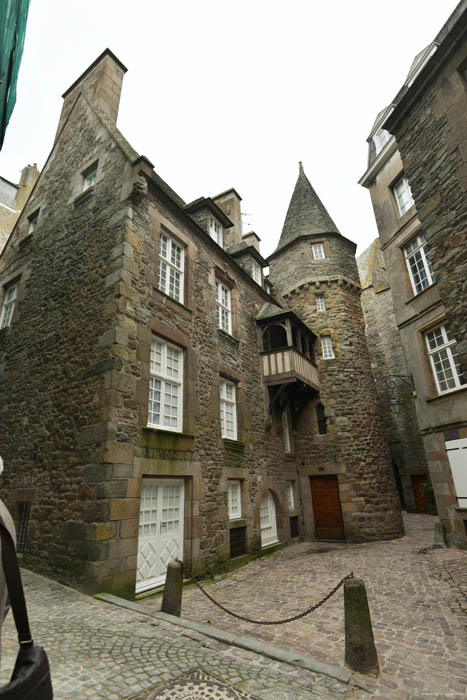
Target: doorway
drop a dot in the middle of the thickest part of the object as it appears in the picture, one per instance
(419, 482)
(160, 530)
(327, 508)
(267, 512)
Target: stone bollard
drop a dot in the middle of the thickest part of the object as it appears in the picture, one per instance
(172, 598)
(360, 650)
(440, 536)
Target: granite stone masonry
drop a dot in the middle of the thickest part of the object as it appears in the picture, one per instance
(156, 402)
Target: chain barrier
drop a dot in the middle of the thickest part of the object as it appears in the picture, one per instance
(275, 622)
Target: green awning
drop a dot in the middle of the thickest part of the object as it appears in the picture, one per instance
(13, 18)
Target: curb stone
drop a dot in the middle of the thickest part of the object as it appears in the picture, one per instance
(242, 641)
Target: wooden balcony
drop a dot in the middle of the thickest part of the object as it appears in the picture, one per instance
(289, 365)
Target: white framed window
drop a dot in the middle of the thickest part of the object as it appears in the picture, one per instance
(326, 345)
(268, 523)
(165, 407)
(33, 221)
(234, 499)
(256, 272)
(223, 307)
(171, 268)
(403, 195)
(228, 408)
(318, 251)
(286, 433)
(89, 177)
(442, 351)
(417, 259)
(320, 305)
(290, 495)
(216, 231)
(11, 293)
(380, 139)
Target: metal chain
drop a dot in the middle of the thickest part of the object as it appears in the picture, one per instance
(276, 622)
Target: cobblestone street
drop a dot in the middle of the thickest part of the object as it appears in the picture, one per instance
(417, 601)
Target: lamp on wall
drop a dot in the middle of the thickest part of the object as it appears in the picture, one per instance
(392, 381)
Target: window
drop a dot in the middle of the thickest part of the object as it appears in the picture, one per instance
(321, 417)
(228, 410)
(318, 251)
(380, 139)
(165, 408)
(286, 433)
(223, 307)
(216, 231)
(256, 272)
(33, 221)
(418, 264)
(326, 345)
(290, 495)
(403, 195)
(443, 357)
(89, 177)
(234, 500)
(11, 293)
(171, 266)
(320, 305)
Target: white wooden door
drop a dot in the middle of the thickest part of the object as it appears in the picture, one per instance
(267, 512)
(160, 530)
(457, 453)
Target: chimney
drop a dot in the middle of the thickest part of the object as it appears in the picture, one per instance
(29, 176)
(252, 239)
(102, 85)
(229, 202)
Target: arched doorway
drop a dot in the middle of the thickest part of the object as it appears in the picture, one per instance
(267, 513)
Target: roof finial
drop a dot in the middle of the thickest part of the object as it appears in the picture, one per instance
(300, 167)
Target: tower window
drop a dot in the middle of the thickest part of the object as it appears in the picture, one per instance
(318, 251)
(320, 305)
(326, 345)
(322, 420)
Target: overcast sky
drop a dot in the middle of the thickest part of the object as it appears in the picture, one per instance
(232, 94)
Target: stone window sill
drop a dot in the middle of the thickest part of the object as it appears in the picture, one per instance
(228, 335)
(419, 294)
(24, 242)
(239, 522)
(84, 196)
(233, 445)
(446, 394)
(167, 439)
(173, 304)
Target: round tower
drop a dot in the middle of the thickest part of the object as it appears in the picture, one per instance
(348, 485)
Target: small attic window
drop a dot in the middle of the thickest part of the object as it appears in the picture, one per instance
(256, 272)
(380, 139)
(89, 177)
(216, 231)
(33, 221)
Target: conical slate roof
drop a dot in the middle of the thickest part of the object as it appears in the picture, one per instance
(306, 214)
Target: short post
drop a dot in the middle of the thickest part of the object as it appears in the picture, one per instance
(172, 598)
(360, 650)
(440, 536)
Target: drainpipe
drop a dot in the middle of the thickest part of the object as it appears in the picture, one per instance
(300, 499)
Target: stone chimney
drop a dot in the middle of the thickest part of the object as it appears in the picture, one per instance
(251, 238)
(229, 202)
(102, 85)
(28, 179)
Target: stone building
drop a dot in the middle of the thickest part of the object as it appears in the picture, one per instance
(13, 198)
(157, 400)
(393, 382)
(417, 179)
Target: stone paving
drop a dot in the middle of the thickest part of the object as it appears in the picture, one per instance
(98, 651)
(417, 598)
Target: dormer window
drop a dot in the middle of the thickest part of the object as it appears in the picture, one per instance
(216, 231)
(256, 272)
(89, 177)
(33, 221)
(380, 139)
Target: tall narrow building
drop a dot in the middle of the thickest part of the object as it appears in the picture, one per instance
(340, 434)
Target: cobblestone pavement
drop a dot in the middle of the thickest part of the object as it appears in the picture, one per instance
(417, 599)
(97, 650)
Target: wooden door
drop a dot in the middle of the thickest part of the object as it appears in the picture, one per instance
(160, 530)
(327, 508)
(419, 493)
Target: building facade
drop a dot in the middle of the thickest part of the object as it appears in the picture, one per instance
(13, 198)
(160, 398)
(417, 181)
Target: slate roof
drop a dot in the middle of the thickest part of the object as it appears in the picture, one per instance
(269, 310)
(306, 214)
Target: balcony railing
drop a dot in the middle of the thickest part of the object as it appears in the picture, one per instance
(288, 365)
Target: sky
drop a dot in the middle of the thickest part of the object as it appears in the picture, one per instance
(232, 94)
